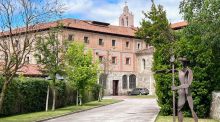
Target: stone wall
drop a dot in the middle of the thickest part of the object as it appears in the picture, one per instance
(215, 106)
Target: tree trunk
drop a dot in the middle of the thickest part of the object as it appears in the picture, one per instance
(77, 97)
(100, 95)
(54, 98)
(47, 99)
(80, 100)
(2, 95)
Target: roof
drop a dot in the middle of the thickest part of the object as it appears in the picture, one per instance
(179, 25)
(85, 25)
(30, 70)
(93, 26)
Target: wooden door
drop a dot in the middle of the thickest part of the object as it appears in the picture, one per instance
(115, 87)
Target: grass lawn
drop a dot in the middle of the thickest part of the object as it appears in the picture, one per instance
(30, 117)
(170, 119)
(143, 96)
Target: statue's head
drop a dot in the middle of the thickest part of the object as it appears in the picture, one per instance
(184, 61)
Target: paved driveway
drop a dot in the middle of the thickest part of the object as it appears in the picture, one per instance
(130, 110)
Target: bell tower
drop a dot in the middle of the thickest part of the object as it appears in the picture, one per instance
(127, 18)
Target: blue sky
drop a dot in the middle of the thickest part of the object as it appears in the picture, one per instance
(110, 10)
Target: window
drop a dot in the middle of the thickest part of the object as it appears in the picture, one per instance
(113, 60)
(122, 22)
(100, 58)
(101, 43)
(127, 21)
(144, 63)
(16, 44)
(86, 40)
(124, 82)
(127, 44)
(132, 81)
(70, 37)
(138, 46)
(113, 43)
(27, 60)
(127, 61)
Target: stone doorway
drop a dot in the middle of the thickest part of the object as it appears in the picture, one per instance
(115, 87)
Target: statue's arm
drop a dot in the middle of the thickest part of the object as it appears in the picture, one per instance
(165, 71)
(183, 86)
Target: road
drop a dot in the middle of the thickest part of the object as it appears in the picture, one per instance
(129, 110)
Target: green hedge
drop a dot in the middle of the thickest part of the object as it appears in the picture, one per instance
(29, 95)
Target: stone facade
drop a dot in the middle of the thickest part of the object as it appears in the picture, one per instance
(215, 106)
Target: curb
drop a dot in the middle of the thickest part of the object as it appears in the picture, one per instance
(75, 112)
(156, 116)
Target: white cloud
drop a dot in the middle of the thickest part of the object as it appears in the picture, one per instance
(101, 10)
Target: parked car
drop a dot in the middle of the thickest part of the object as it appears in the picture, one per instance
(139, 91)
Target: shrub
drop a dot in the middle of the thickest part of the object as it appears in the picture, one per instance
(29, 95)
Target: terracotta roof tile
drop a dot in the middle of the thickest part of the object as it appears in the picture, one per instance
(179, 25)
(30, 70)
(82, 25)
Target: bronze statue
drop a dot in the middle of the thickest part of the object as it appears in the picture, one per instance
(183, 90)
(186, 78)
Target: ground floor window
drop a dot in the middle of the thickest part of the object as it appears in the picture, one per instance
(124, 82)
(132, 81)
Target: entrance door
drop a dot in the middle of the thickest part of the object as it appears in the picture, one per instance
(115, 87)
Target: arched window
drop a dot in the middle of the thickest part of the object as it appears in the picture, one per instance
(102, 80)
(144, 63)
(127, 21)
(124, 82)
(122, 22)
(132, 81)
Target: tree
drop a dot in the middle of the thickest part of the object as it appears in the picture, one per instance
(81, 70)
(201, 38)
(156, 31)
(16, 43)
(105, 70)
(50, 54)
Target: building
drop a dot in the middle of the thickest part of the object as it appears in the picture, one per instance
(127, 60)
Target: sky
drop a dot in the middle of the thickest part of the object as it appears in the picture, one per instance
(110, 10)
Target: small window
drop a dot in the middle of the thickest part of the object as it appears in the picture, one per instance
(113, 60)
(144, 63)
(86, 40)
(70, 37)
(27, 60)
(113, 43)
(101, 43)
(127, 61)
(16, 44)
(100, 58)
(139, 45)
(127, 44)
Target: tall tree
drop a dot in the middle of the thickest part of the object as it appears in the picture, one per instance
(156, 31)
(16, 43)
(202, 39)
(50, 54)
(81, 70)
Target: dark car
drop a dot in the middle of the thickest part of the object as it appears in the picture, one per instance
(139, 91)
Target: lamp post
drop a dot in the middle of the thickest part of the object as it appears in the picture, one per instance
(172, 59)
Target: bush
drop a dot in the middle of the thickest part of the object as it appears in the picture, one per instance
(24, 96)
(29, 95)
